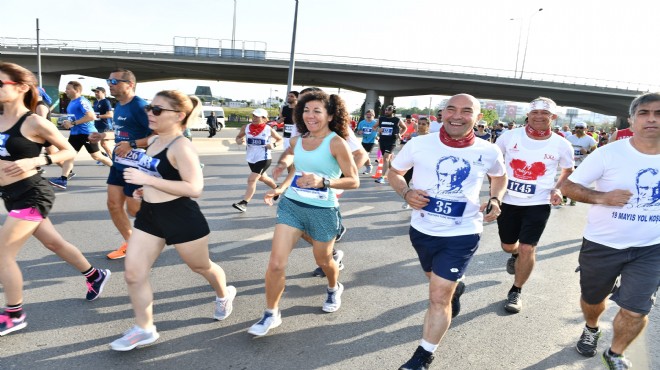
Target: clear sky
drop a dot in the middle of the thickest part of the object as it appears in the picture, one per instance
(607, 40)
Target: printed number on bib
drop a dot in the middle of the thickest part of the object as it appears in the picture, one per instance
(521, 189)
(312, 193)
(444, 211)
(254, 141)
(387, 131)
(149, 165)
(288, 129)
(366, 130)
(132, 159)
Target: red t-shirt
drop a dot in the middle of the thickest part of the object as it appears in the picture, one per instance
(625, 133)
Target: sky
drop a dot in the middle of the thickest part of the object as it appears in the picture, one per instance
(613, 41)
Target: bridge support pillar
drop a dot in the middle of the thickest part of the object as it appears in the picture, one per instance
(370, 101)
(388, 100)
(621, 123)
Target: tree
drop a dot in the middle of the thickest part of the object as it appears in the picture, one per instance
(490, 115)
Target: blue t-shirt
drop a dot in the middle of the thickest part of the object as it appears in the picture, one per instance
(79, 108)
(130, 123)
(103, 106)
(368, 133)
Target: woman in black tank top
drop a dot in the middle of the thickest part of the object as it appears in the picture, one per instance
(170, 174)
(27, 196)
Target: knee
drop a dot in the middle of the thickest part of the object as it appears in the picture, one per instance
(439, 300)
(115, 205)
(276, 266)
(526, 250)
(135, 275)
(200, 268)
(323, 261)
(630, 315)
(510, 248)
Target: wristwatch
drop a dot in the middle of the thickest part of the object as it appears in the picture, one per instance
(326, 183)
(133, 144)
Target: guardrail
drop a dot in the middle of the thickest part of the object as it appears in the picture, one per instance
(256, 53)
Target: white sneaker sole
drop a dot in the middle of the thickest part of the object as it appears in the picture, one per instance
(14, 328)
(137, 344)
(231, 290)
(275, 324)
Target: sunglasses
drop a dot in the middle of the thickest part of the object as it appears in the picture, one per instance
(115, 81)
(157, 110)
(3, 83)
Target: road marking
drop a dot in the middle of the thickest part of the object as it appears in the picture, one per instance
(269, 235)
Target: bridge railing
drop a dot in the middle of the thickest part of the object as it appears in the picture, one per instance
(263, 54)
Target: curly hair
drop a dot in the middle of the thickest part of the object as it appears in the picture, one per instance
(333, 104)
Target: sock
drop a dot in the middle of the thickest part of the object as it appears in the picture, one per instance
(63, 178)
(273, 311)
(514, 255)
(243, 202)
(92, 274)
(14, 311)
(333, 289)
(218, 299)
(428, 347)
(593, 330)
(609, 352)
(515, 289)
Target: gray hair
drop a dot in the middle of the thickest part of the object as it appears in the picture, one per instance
(643, 99)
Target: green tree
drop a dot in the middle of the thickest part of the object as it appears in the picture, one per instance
(490, 115)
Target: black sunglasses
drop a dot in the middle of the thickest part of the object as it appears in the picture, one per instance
(157, 110)
(3, 83)
(115, 81)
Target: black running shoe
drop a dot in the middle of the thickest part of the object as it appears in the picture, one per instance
(420, 360)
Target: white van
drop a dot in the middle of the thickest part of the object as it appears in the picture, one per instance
(200, 123)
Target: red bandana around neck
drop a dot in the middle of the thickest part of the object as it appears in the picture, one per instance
(456, 143)
(256, 129)
(539, 134)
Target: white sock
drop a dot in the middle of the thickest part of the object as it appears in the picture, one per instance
(273, 312)
(333, 289)
(428, 346)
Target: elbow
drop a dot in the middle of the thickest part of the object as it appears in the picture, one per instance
(196, 191)
(355, 184)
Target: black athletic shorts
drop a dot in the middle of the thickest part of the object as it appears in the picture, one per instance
(522, 223)
(386, 146)
(34, 191)
(177, 221)
(260, 167)
(77, 142)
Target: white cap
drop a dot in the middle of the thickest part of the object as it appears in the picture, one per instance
(260, 112)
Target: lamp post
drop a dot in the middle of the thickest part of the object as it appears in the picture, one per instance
(515, 73)
(233, 31)
(292, 57)
(529, 27)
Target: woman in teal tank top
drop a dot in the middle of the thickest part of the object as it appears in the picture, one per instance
(309, 203)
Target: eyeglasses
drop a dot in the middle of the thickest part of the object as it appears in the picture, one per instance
(3, 83)
(157, 110)
(115, 81)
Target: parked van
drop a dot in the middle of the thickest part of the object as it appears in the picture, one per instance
(200, 123)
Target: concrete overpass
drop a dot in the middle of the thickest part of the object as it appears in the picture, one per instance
(390, 82)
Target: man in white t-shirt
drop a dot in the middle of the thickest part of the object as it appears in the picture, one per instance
(435, 125)
(532, 154)
(447, 218)
(583, 145)
(621, 238)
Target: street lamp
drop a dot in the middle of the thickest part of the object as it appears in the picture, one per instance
(292, 57)
(233, 31)
(529, 26)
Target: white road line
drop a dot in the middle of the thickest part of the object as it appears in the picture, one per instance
(269, 235)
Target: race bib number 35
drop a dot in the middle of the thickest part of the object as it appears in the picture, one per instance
(444, 211)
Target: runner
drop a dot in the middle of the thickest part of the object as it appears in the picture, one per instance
(259, 150)
(532, 154)
(310, 204)
(170, 174)
(447, 218)
(621, 240)
(28, 197)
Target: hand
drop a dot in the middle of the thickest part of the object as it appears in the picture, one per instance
(18, 167)
(123, 148)
(136, 177)
(616, 198)
(138, 193)
(272, 193)
(309, 181)
(95, 137)
(555, 197)
(494, 210)
(417, 199)
(583, 151)
(67, 124)
(277, 171)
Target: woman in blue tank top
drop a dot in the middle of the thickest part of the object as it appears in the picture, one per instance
(170, 174)
(309, 202)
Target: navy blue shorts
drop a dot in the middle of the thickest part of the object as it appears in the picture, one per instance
(116, 177)
(447, 256)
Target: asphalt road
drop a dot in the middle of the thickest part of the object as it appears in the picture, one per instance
(377, 327)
